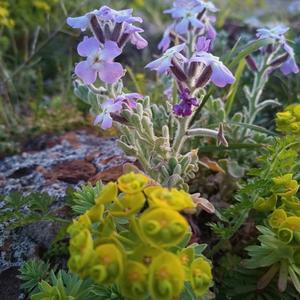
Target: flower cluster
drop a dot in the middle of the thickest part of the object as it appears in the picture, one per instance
(132, 236)
(111, 30)
(189, 60)
(288, 121)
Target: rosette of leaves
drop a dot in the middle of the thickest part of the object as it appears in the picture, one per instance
(135, 237)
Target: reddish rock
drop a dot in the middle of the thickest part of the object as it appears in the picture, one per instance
(72, 138)
(72, 171)
(92, 155)
(110, 174)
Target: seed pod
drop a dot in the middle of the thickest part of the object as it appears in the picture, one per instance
(201, 14)
(192, 69)
(251, 63)
(204, 77)
(117, 32)
(123, 39)
(279, 61)
(107, 32)
(97, 30)
(177, 71)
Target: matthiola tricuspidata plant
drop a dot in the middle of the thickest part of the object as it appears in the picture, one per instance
(186, 60)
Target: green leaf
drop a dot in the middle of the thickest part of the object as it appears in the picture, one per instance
(234, 88)
(249, 49)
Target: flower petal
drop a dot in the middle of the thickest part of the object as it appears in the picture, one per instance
(79, 22)
(88, 46)
(110, 51)
(221, 76)
(107, 121)
(85, 72)
(110, 72)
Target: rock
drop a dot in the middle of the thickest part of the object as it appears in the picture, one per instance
(42, 233)
(72, 171)
(107, 175)
(10, 284)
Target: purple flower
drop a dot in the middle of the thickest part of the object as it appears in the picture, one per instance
(135, 37)
(129, 99)
(185, 107)
(81, 22)
(164, 63)
(202, 44)
(276, 33)
(108, 107)
(187, 16)
(106, 13)
(221, 75)
(166, 39)
(211, 33)
(290, 65)
(99, 61)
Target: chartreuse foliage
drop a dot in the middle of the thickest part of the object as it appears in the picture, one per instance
(135, 237)
(288, 121)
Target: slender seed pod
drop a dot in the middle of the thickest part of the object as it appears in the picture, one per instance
(117, 32)
(97, 30)
(204, 77)
(177, 71)
(251, 63)
(279, 61)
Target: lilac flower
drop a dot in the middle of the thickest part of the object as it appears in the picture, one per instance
(185, 107)
(135, 37)
(81, 22)
(99, 61)
(211, 33)
(129, 99)
(277, 33)
(166, 39)
(290, 65)
(164, 63)
(108, 107)
(196, 3)
(187, 16)
(221, 75)
(106, 13)
(203, 44)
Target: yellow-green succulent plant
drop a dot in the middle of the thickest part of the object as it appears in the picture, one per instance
(134, 237)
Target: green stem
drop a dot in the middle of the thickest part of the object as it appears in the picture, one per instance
(181, 136)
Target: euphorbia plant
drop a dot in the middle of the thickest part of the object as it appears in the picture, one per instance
(136, 237)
